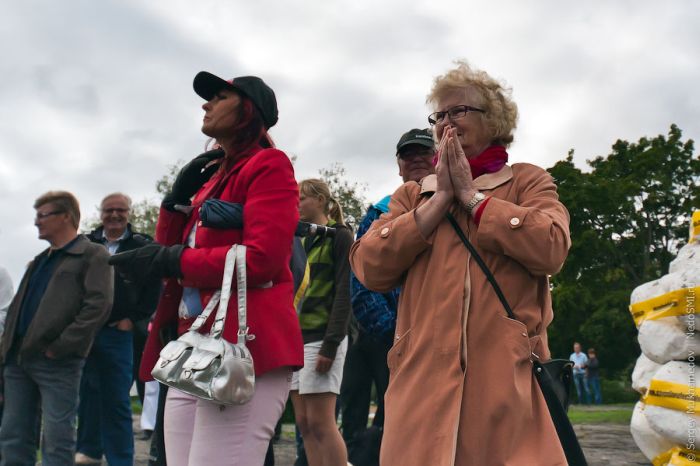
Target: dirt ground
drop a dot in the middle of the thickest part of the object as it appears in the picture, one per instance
(603, 444)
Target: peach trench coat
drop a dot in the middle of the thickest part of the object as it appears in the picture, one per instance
(461, 390)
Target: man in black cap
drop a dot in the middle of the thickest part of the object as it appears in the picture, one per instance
(376, 315)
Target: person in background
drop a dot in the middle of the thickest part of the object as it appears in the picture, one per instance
(246, 170)
(579, 359)
(324, 318)
(592, 376)
(6, 293)
(104, 414)
(376, 312)
(63, 300)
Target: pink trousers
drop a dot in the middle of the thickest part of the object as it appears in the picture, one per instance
(200, 433)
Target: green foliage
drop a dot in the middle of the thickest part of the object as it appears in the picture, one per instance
(629, 216)
(350, 195)
(144, 214)
(618, 391)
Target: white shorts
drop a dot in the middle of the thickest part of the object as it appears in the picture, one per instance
(308, 381)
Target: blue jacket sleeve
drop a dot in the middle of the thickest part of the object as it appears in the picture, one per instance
(375, 312)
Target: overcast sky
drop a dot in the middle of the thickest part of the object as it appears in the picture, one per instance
(96, 96)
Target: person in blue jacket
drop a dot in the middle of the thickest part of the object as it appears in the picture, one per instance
(376, 312)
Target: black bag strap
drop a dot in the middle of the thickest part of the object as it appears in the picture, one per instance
(482, 264)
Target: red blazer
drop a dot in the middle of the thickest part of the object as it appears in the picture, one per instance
(263, 181)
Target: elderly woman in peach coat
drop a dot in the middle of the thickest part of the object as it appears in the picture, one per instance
(462, 391)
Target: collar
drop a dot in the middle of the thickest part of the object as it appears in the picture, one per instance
(485, 182)
(77, 246)
(98, 234)
(104, 238)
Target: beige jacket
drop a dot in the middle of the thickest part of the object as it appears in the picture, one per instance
(461, 390)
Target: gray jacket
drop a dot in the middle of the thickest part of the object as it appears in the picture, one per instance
(74, 307)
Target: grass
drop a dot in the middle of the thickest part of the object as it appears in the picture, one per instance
(603, 414)
(135, 405)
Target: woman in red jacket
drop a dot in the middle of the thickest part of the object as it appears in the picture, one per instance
(246, 170)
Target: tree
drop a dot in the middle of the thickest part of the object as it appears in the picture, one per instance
(350, 195)
(629, 216)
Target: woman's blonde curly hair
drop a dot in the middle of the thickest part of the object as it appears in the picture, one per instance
(501, 113)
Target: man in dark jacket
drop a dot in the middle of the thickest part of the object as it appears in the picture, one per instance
(63, 299)
(376, 316)
(105, 418)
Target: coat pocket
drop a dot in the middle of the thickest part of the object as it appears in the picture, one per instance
(515, 376)
(397, 353)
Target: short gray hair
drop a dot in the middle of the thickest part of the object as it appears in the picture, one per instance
(117, 194)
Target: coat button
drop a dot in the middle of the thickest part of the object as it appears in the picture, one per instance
(515, 221)
(385, 232)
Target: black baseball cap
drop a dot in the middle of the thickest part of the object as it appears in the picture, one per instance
(206, 85)
(423, 137)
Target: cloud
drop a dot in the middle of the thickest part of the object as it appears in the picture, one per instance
(96, 96)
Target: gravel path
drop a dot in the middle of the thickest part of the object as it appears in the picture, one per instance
(603, 444)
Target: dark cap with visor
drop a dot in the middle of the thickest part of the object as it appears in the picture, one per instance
(206, 85)
(423, 137)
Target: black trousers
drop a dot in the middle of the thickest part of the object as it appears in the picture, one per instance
(365, 364)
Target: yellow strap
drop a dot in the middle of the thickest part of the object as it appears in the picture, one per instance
(672, 395)
(676, 456)
(674, 303)
(299, 295)
(694, 226)
(662, 458)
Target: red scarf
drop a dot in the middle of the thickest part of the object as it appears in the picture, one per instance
(492, 159)
(489, 161)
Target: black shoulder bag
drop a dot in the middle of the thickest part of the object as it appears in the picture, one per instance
(554, 376)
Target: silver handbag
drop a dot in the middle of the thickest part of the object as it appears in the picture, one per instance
(207, 366)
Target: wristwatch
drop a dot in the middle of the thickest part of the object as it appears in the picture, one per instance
(478, 197)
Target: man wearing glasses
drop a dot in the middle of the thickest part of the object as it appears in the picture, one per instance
(63, 299)
(104, 415)
(376, 316)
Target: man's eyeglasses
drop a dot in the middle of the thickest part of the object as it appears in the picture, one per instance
(410, 154)
(41, 216)
(115, 211)
(455, 113)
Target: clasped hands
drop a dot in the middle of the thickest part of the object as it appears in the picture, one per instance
(454, 175)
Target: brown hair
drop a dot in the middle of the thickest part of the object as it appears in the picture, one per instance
(319, 188)
(64, 202)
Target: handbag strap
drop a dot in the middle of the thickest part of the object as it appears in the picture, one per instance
(235, 258)
(220, 319)
(237, 255)
(482, 264)
(201, 318)
(242, 281)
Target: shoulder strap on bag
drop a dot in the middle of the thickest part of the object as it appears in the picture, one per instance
(482, 264)
(235, 258)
